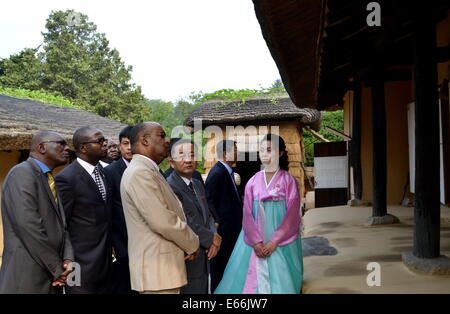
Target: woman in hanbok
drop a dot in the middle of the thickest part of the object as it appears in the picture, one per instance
(267, 257)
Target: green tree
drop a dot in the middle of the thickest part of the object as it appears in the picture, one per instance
(76, 62)
(333, 119)
(277, 85)
(22, 70)
(81, 66)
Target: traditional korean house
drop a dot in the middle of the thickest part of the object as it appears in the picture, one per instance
(247, 122)
(387, 64)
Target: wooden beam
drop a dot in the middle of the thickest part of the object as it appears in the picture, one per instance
(355, 144)
(345, 137)
(317, 135)
(427, 147)
(379, 156)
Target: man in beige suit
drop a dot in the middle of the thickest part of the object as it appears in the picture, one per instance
(159, 239)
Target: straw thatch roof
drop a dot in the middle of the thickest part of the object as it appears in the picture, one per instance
(253, 111)
(20, 119)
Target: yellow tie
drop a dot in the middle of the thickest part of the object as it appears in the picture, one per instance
(51, 183)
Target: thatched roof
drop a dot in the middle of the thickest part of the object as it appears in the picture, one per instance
(293, 33)
(20, 119)
(252, 111)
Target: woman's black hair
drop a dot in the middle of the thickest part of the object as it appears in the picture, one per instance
(284, 161)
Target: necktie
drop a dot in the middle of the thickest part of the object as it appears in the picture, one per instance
(99, 183)
(51, 183)
(191, 187)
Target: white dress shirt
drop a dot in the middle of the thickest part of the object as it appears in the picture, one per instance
(90, 169)
(186, 180)
(104, 164)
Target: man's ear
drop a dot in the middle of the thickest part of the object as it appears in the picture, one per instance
(83, 149)
(145, 141)
(41, 149)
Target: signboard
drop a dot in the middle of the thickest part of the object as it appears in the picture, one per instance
(331, 172)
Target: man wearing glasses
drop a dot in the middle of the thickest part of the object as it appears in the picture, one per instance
(86, 196)
(37, 249)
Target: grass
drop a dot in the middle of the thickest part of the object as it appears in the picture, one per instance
(41, 96)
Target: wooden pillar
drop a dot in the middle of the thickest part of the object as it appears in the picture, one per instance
(427, 189)
(379, 162)
(355, 147)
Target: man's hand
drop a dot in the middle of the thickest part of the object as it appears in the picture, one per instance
(212, 251)
(259, 250)
(269, 248)
(215, 246)
(217, 240)
(190, 257)
(61, 280)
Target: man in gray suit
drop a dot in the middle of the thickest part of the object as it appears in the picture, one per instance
(192, 195)
(37, 249)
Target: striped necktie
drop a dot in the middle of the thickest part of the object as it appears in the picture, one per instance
(52, 185)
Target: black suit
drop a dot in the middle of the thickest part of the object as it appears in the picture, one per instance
(220, 188)
(89, 225)
(121, 271)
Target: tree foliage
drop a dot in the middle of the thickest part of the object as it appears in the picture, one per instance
(75, 61)
(333, 119)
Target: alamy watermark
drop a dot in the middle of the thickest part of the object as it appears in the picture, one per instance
(374, 277)
(73, 19)
(374, 17)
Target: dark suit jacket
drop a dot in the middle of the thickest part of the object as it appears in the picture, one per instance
(114, 173)
(35, 237)
(200, 219)
(228, 205)
(197, 175)
(89, 225)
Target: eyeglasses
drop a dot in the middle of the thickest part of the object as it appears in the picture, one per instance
(100, 141)
(61, 142)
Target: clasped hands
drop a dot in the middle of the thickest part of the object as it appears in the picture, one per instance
(62, 279)
(264, 250)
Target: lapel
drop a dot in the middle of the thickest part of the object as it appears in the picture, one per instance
(44, 183)
(122, 166)
(171, 199)
(179, 181)
(87, 179)
(204, 210)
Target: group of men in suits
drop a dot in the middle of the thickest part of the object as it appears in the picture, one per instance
(128, 227)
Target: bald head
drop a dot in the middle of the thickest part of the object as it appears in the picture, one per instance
(43, 136)
(149, 139)
(50, 148)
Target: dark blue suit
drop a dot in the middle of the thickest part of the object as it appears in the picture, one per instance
(222, 194)
(121, 272)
